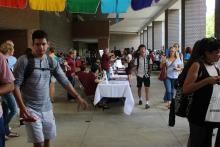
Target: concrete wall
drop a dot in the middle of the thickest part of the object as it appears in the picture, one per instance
(58, 27)
(158, 36)
(124, 41)
(173, 27)
(195, 21)
(149, 29)
(145, 38)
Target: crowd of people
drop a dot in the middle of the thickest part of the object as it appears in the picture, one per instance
(32, 79)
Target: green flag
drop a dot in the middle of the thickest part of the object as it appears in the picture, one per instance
(82, 6)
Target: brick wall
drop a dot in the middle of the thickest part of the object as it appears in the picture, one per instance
(158, 35)
(124, 41)
(173, 27)
(195, 21)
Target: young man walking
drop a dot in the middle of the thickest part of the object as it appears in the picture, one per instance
(6, 85)
(32, 91)
(144, 67)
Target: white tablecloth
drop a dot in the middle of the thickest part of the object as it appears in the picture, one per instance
(116, 89)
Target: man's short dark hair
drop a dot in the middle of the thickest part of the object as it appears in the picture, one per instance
(94, 68)
(39, 34)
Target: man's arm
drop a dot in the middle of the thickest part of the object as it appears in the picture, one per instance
(73, 93)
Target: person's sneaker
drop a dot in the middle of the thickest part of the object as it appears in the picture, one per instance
(140, 102)
(147, 106)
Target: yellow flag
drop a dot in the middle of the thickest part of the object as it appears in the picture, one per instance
(47, 5)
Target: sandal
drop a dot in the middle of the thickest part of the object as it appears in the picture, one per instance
(13, 134)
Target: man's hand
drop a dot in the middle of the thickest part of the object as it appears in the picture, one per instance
(26, 116)
(83, 103)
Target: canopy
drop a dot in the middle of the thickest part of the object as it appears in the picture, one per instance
(140, 4)
(82, 6)
(47, 5)
(115, 6)
(14, 3)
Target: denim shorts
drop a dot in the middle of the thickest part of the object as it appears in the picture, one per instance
(43, 128)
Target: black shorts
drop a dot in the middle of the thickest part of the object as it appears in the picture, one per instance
(144, 80)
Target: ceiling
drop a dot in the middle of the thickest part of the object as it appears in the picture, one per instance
(132, 22)
(136, 21)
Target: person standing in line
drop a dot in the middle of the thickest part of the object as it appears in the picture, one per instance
(71, 71)
(144, 68)
(7, 85)
(32, 92)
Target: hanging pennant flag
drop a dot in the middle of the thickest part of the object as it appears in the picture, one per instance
(14, 3)
(82, 6)
(140, 4)
(47, 5)
(115, 6)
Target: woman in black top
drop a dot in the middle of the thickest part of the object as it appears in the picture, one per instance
(200, 75)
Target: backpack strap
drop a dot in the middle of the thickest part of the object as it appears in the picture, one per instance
(29, 67)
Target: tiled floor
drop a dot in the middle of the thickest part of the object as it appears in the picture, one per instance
(112, 128)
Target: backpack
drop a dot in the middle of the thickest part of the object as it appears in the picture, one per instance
(30, 67)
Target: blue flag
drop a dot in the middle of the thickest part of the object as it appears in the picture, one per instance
(115, 6)
(140, 4)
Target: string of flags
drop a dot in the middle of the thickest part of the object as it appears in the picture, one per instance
(79, 6)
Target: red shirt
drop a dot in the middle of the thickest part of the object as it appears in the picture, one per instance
(105, 62)
(88, 82)
(71, 62)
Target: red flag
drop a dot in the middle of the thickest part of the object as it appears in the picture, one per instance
(13, 3)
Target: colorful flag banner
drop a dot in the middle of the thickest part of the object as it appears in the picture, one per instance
(82, 6)
(48, 5)
(140, 4)
(115, 6)
(14, 3)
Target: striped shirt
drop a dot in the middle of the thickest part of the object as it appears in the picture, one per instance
(35, 90)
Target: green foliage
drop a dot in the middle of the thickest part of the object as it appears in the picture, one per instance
(210, 25)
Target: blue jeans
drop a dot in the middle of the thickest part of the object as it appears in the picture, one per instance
(169, 86)
(9, 99)
(2, 132)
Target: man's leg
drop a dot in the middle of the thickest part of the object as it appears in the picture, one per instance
(139, 85)
(146, 88)
(47, 143)
(39, 144)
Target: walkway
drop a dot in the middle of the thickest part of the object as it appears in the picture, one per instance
(112, 128)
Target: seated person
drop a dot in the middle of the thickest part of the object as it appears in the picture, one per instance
(89, 80)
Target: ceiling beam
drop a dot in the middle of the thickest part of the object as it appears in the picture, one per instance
(157, 14)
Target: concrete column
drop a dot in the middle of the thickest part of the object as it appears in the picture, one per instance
(152, 35)
(145, 38)
(195, 21)
(103, 43)
(166, 30)
(149, 34)
(141, 38)
(158, 35)
(217, 18)
(173, 25)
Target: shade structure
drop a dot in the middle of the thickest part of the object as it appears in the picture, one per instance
(14, 3)
(82, 6)
(115, 6)
(140, 4)
(48, 5)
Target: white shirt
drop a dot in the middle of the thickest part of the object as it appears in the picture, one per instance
(171, 72)
(143, 68)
